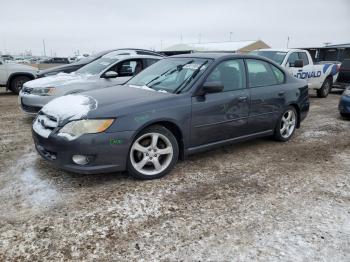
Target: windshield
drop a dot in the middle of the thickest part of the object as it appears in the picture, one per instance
(171, 75)
(96, 67)
(87, 60)
(276, 56)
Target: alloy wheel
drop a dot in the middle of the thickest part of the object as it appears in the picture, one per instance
(288, 123)
(151, 153)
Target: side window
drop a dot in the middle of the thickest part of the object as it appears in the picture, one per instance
(278, 74)
(303, 56)
(230, 73)
(129, 68)
(292, 57)
(260, 73)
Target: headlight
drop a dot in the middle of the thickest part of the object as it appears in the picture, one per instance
(45, 91)
(77, 128)
(346, 92)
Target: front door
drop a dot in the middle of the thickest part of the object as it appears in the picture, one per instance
(125, 69)
(304, 72)
(223, 115)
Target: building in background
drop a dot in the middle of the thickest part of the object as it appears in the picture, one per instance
(330, 52)
(231, 46)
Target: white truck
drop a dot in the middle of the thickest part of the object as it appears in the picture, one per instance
(13, 75)
(298, 62)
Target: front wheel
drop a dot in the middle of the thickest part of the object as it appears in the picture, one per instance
(325, 89)
(17, 83)
(153, 153)
(286, 125)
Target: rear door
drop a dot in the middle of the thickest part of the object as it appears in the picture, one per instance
(267, 91)
(223, 115)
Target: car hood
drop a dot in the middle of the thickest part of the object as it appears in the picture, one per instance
(61, 79)
(107, 102)
(19, 67)
(57, 69)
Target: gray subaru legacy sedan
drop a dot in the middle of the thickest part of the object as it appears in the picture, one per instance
(179, 106)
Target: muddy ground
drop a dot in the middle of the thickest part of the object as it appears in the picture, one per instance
(260, 200)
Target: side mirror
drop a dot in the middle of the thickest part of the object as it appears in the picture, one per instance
(212, 87)
(298, 63)
(110, 74)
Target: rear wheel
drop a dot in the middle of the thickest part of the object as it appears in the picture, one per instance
(286, 125)
(325, 89)
(17, 83)
(153, 153)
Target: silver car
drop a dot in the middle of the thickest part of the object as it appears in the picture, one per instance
(112, 69)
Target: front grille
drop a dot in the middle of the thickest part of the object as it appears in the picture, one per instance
(49, 155)
(30, 109)
(44, 124)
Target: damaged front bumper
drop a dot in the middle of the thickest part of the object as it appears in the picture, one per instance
(107, 152)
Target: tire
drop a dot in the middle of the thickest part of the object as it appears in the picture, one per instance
(325, 88)
(285, 127)
(17, 83)
(344, 115)
(145, 160)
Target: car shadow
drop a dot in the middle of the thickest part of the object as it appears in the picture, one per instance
(7, 93)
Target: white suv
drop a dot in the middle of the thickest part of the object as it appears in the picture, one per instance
(13, 75)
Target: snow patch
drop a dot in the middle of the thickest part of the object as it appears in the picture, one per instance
(144, 87)
(70, 107)
(314, 134)
(57, 80)
(40, 130)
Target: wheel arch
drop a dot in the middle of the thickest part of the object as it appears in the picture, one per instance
(297, 108)
(13, 75)
(172, 127)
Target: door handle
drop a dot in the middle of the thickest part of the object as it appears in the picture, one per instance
(242, 98)
(281, 93)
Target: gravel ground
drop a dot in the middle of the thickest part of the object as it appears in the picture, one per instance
(260, 200)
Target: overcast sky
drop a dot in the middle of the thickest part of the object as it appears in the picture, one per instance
(94, 25)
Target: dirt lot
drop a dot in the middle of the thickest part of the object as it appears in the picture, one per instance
(260, 200)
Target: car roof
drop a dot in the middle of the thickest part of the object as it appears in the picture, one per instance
(217, 55)
(131, 56)
(130, 51)
(280, 49)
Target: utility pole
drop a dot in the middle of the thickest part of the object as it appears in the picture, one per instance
(161, 45)
(288, 42)
(199, 38)
(44, 47)
(231, 36)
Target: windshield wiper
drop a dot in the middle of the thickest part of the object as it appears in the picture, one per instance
(178, 68)
(184, 83)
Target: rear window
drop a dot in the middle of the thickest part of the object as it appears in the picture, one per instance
(275, 56)
(278, 74)
(260, 73)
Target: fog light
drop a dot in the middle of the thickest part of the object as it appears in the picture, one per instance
(80, 159)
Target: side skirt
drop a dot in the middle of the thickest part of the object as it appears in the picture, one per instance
(213, 145)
